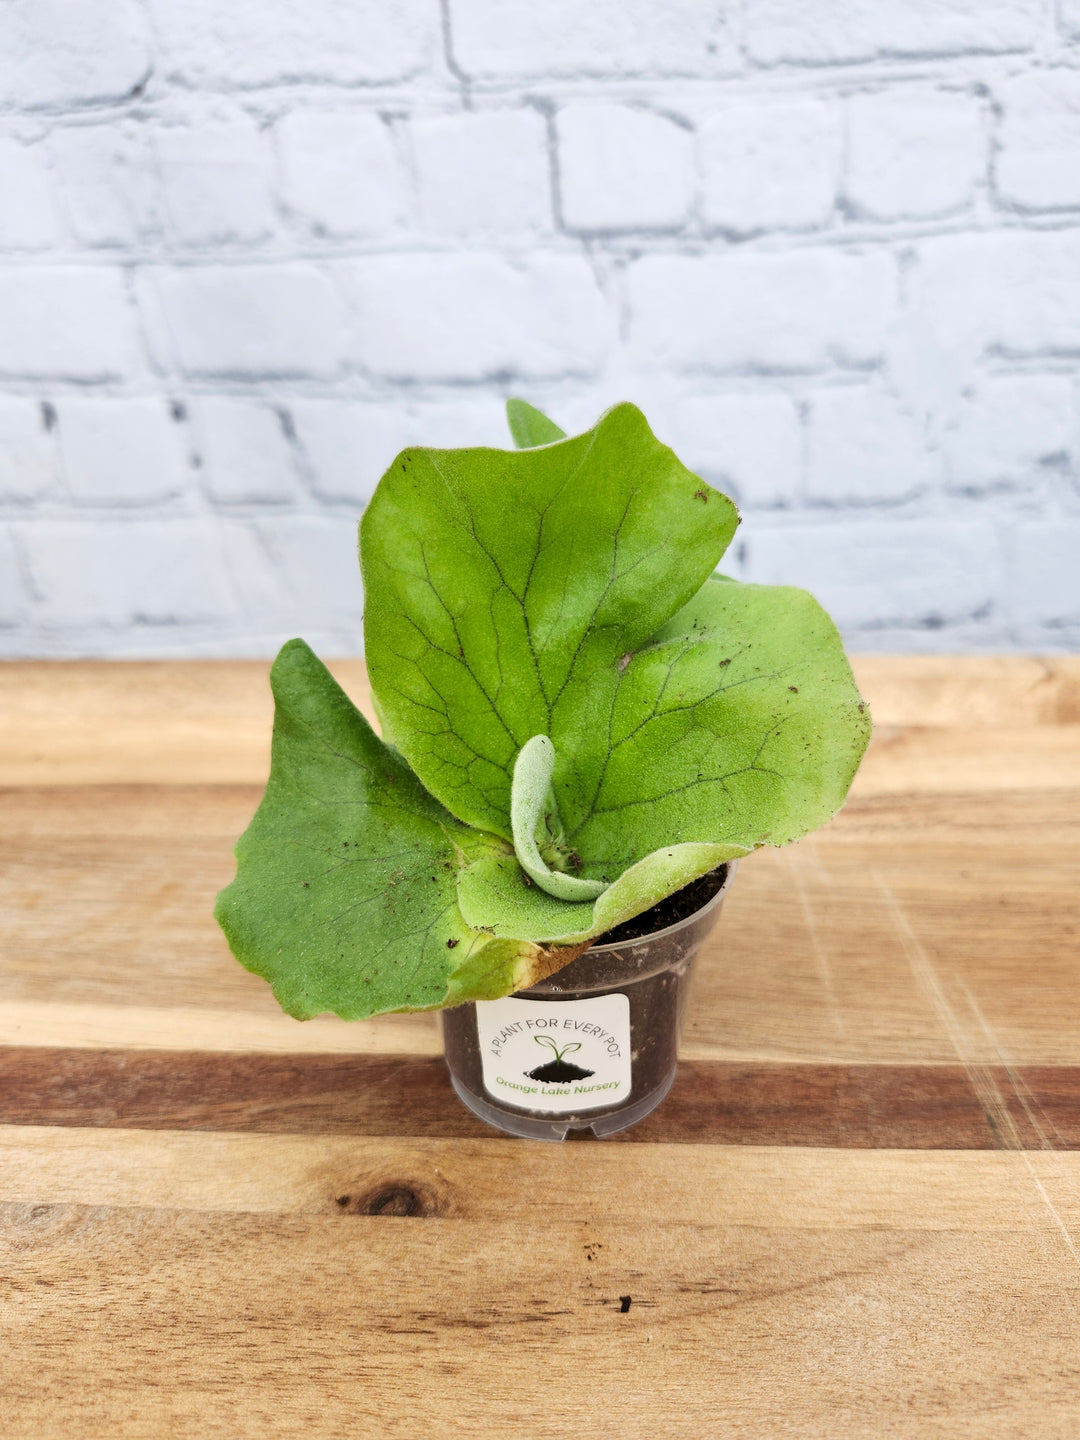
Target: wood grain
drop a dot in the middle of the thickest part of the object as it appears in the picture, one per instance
(839, 1106)
(208, 722)
(857, 1213)
(899, 934)
(155, 1322)
(488, 1180)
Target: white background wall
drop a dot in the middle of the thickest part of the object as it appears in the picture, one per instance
(250, 249)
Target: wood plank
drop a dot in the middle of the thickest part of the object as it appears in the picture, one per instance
(487, 1180)
(838, 1106)
(208, 722)
(902, 933)
(146, 1322)
(263, 1029)
(920, 759)
(970, 691)
(87, 722)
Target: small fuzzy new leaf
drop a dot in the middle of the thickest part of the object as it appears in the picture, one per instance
(531, 804)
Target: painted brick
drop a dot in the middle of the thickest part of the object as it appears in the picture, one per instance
(63, 53)
(913, 153)
(919, 573)
(246, 455)
(269, 42)
(215, 181)
(108, 184)
(1041, 579)
(770, 166)
(28, 218)
(474, 316)
(248, 321)
(749, 446)
(494, 38)
(28, 459)
(621, 168)
(450, 424)
(114, 573)
(822, 32)
(1012, 292)
(862, 447)
(798, 311)
(121, 452)
(1009, 431)
(12, 599)
(340, 172)
(68, 322)
(348, 445)
(485, 171)
(315, 558)
(1037, 165)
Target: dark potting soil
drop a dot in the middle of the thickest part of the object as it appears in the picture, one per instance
(670, 911)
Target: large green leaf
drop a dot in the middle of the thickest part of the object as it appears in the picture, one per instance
(501, 587)
(563, 592)
(737, 725)
(345, 894)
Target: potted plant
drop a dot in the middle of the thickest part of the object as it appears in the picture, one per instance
(583, 728)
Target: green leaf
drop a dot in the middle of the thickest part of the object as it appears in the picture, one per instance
(502, 587)
(737, 725)
(530, 427)
(345, 896)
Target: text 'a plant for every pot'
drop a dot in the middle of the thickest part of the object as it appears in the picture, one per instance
(580, 718)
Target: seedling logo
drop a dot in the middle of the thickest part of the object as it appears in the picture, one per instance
(557, 1071)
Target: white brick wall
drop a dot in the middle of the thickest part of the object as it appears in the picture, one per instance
(770, 166)
(249, 251)
(622, 168)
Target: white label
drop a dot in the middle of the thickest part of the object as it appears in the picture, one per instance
(556, 1056)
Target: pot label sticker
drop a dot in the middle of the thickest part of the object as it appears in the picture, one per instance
(555, 1056)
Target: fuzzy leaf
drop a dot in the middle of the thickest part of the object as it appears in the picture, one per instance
(737, 725)
(502, 586)
(345, 896)
(530, 797)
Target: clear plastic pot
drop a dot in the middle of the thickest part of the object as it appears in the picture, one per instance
(593, 1047)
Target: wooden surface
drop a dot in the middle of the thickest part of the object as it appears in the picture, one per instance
(857, 1213)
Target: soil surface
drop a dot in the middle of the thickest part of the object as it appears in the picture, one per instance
(670, 911)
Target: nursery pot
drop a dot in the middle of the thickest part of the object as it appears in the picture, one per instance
(593, 1047)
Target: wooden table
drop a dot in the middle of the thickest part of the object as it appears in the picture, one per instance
(857, 1214)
